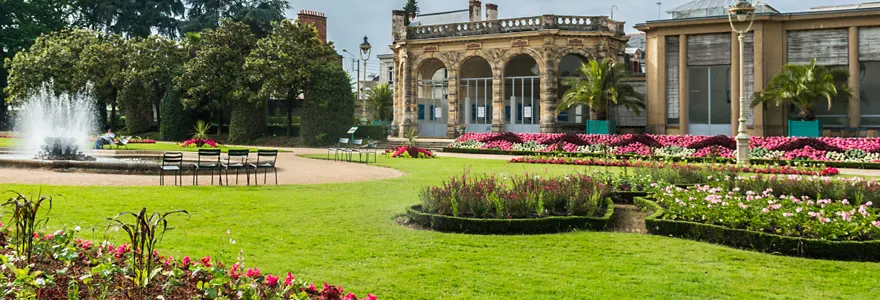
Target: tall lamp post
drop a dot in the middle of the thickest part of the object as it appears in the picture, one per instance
(741, 16)
(366, 49)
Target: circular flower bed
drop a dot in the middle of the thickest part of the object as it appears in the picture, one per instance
(409, 152)
(198, 143)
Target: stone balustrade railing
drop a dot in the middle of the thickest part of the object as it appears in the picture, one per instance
(570, 23)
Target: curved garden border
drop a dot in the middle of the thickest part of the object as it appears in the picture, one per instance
(782, 162)
(757, 241)
(511, 226)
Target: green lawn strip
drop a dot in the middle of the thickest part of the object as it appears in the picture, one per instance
(345, 234)
(159, 146)
(7, 142)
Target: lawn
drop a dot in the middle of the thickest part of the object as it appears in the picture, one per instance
(159, 146)
(346, 234)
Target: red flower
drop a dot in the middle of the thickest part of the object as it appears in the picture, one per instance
(253, 273)
(206, 261)
(185, 262)
(312, 288)
(289, 280)
(234, 271)
(271, 281)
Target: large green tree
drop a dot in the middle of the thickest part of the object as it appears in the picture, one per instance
(101, 63)
(216, 75)
(132, 18)
(257, 14)
(803, 86)
(329, 106)
(152, 64)
(600, 86)
(283, 62)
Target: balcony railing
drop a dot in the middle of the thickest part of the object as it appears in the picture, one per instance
(570, 23)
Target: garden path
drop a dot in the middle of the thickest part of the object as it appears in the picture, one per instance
(292, 170)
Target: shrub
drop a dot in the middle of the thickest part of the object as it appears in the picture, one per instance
(144, 233)
(247, 121)
(328, 108)
(855, 190)
(519, 197)
(24, 216)
(176, 119)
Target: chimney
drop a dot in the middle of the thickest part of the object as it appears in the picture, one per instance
(475, 9)
(398, 28)
(491, 12)
(318, 20)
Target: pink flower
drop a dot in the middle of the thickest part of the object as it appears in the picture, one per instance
(168, 261)
(350, 296)
(271, 281)
(289, 280)
(876, 223)
(234, 271)
(253, 273)
(185, 262)
(370, 297)
(312, 288)
(786, 215)
(206, 261)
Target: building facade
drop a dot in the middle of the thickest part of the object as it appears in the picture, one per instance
(456, 70)
(693, 75)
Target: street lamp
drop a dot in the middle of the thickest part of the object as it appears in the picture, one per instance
(741, 13)
(366, 49)
(356, 63)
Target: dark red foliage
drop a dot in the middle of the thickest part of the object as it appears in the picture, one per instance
(507, 136)
(804, 142)
(637, 138)
(718, 140)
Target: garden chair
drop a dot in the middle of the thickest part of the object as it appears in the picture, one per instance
(209, 159)
(122, 142)
(354, 148)
(266, 160)
(237, 160)
(171, 162)
(341, 146)
(372, 148)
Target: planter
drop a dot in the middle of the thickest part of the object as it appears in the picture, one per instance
(805, 128)
(757, 241)
(601, 127)
(511, 226)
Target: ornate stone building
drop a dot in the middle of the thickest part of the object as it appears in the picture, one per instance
(455, 70)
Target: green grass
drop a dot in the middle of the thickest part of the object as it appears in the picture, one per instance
(160, 146)
(346, 234)
(7, 142)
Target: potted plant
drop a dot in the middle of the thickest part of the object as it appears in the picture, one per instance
(802, 86)
(601, 86)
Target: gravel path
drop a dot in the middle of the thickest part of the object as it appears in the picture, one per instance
(291, 170)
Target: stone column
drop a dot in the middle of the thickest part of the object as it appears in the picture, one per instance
(683, 92)
(452, 97)
(407, 88)
(549, 93)
(855, 118)
(498, 100)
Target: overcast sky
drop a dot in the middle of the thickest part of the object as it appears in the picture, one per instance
(350, 20)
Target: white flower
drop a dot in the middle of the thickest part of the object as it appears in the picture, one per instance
(40, 282)
(77, 228)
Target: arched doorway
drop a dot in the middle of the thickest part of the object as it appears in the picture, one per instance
(522, 95)
(432, 101)
(475, 95)
(569, 68)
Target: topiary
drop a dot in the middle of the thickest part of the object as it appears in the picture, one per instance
(328, 108)
(247, 121)
(176, 120)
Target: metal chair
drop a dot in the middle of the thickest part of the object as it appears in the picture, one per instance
(371, 148)
(237, 160)
(210, 162)
(266, 160)
(340, 146)
(355, 148)
(171, 162)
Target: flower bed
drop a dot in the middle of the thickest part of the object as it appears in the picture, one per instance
(198, 143)
(757, 241)
(139, 140)
(827, 171)
(64, 266)
(8, 136)
(851, 150)
(409, 152)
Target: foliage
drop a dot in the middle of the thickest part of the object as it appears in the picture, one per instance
(762, 211)
(380, 102)
(411, 7)
(282, 63)
(200, 130)
(257, 14)
(516, 197)
(176, 119)
(51, 59)
(130, 17)
(152, 63)
(216, 73)
(855, 190)
(802, 86)
(199, 143)
(409, 152)
(601, 86)
(144, 233)
(412, 137)
(24, 216)
(329, 106)
(700, 172)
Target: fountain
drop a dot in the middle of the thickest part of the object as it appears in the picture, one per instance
(56, 127)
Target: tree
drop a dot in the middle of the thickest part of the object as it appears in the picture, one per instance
(380, 101)
(52, 59)
(282, 63)
(216, 74)
(132, 18)
(328, 107)
(101, 62)
(176, 123)
(152, 65)
(257, 14)
(411, 8)
(802, 86)
(601, 85)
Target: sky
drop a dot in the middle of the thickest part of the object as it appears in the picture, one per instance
(349, 20)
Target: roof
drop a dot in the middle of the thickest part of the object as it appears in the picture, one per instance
(636, 41)
(711, 8)
(846, 7)
(449, 17)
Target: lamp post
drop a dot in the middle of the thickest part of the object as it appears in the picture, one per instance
(740, 13)
(366, 49)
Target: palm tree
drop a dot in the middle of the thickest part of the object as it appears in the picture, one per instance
(380, 101)
(802, 86)
(601, 85)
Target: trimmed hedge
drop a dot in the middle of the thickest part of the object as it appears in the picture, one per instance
(372, 133)
(835, 164)
(176, 124)
(758, 241)
(247, 121)
(328, 108)
(511, 226)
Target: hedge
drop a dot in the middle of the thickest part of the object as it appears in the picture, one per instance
(758, 241)
(372, 133)
(511, 226)
(247, 121)
(835, 164)
(176, 124)
(328, 108)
